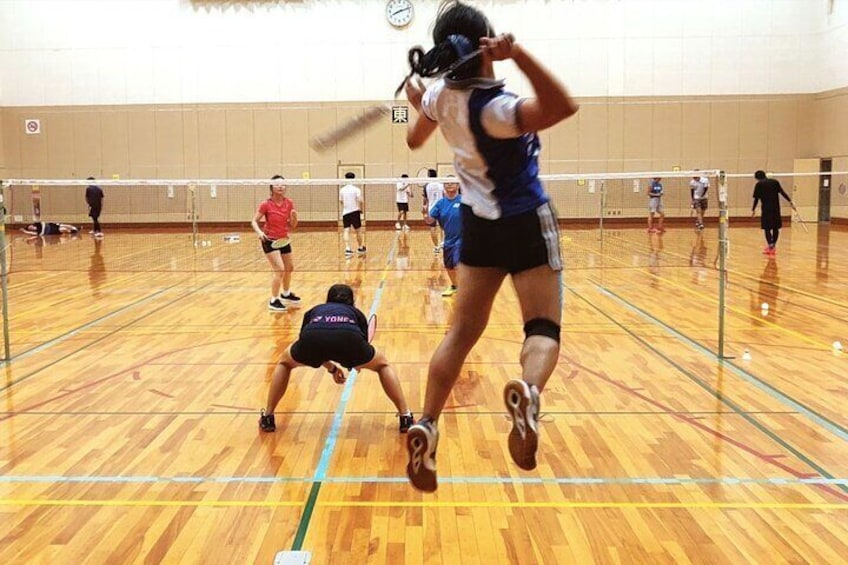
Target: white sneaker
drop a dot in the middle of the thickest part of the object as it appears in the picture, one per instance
(421, 441)
(522, 403)
(397, 225)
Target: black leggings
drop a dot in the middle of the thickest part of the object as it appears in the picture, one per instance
(771, 236)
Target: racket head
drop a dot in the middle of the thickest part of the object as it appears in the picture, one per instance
(800, 219)
(367, 118)
(372, 327)
(280, 243)
(423, 176)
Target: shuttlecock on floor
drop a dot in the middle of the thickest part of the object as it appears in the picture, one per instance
(746, 355)
(837, 346)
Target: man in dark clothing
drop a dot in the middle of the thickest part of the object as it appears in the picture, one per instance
(94, 198)
(334, 331)
(767, 191)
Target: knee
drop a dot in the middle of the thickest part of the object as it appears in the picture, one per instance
(542, 327)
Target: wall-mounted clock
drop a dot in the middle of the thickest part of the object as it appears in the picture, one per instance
(399, 12)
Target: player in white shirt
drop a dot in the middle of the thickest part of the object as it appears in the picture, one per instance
(698, 187)
(402, 200)
(350, 198)
(509, 227)
(433, 192)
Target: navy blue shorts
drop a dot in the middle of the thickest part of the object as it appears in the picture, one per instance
(515, 244)
(348, 348)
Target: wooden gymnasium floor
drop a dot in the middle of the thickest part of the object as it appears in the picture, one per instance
(128, 421)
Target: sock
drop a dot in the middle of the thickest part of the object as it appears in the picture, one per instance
(286, 292)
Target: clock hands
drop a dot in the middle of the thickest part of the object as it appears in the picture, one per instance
(401, 11)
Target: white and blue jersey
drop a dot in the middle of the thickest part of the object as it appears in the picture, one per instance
(496, 162)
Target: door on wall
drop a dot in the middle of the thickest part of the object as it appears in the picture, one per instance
(825, 167)
(805, 187)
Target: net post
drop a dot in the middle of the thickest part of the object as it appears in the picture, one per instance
(4, 275)
(192, 195)
(603, 204)
(723, 247)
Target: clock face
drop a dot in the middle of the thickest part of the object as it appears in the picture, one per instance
(399, 12)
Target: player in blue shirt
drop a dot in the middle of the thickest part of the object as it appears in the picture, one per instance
(446, 211)
(655, 206)
(508, 224)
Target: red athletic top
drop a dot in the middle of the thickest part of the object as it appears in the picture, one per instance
(276, 217)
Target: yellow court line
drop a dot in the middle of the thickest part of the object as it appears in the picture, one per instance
(739, 311)
(435, 504)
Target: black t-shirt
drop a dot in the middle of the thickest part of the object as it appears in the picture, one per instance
(335, 316)
(94, 196)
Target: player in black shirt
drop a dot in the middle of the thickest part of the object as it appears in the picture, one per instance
(768, 191)
(337, 332)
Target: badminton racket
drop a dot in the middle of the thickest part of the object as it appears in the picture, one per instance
(799, 218)
(372, 114)
(280, 243)
(372, 327)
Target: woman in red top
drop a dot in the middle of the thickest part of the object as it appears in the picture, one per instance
(280, 216)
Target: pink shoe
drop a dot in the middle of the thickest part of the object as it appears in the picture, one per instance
(766, 250)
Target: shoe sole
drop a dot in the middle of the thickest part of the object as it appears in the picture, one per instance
(524, 436)
(417, 444)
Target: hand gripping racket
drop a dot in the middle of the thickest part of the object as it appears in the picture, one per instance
(799, 218)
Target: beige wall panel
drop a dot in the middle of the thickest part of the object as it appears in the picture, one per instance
(296, 129)
(11, 132)
(666, 134)
(638, 133)
(401, 156)
(170, 142)
(563, 142)
(267, 141)
(239, 138)
(378, 141)
(34, 150)
(58, 129)
(615, 130)
(144, 204)
(170, 209)
(191, 142)
(88, 143)
(782, 138)
(839, 193)
(116, 204)
(753, 130)
(593, 134)
(212, 142)
(724, 132)
(352, 148)
(114, 129)
(806, 131)
(240, 202)
(832, 125)
(696, 135)
(142, 133)
(2, 144)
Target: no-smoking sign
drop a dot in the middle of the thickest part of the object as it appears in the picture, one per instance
(32, 127)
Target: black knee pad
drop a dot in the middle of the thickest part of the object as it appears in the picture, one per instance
(542, 326)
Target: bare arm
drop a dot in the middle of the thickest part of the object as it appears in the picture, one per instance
(255, 224)
(552, 103)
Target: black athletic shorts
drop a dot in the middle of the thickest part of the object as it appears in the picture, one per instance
(348, 348)
(402, 206)
(266, 247)
(515, 244)
(352, 220)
